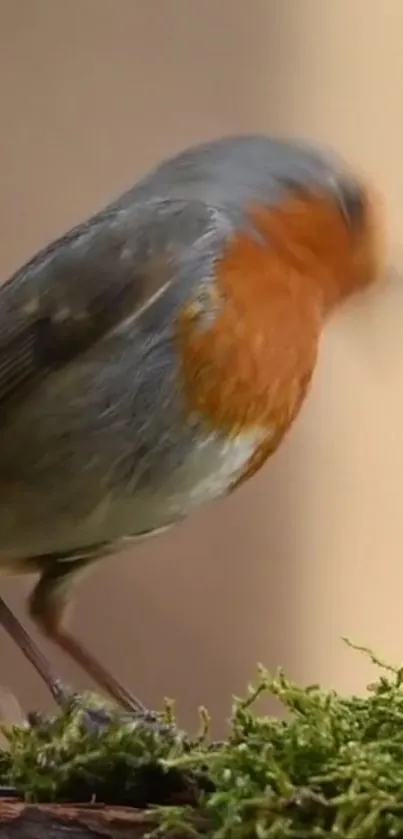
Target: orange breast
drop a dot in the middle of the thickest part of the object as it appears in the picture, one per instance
(251, 367)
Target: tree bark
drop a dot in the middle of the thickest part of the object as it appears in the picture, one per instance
(19, 820)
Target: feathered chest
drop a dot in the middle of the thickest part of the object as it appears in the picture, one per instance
(246, 371)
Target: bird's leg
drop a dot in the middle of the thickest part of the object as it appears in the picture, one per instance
(47, 606)
(19, 635)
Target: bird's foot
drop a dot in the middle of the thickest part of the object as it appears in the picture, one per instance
(94, 715)
(97, 719)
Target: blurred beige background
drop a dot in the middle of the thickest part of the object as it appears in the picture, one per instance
(92, 93)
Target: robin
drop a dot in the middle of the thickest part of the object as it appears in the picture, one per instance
(153, 358)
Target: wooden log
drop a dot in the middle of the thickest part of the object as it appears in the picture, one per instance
(19, 820)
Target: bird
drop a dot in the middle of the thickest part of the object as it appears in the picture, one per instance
(154, 357)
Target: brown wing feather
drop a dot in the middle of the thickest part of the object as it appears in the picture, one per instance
(70, 295)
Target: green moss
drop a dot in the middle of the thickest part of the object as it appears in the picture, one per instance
(334, 768)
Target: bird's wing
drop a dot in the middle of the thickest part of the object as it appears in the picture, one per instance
(84, 285)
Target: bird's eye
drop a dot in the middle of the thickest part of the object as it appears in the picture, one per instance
(351, 200)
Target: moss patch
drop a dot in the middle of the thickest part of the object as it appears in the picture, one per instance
(334, 768)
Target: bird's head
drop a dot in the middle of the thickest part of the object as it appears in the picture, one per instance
(356, 250)
(333, 231)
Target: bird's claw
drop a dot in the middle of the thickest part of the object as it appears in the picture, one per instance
(97, 719)
(95, 716)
